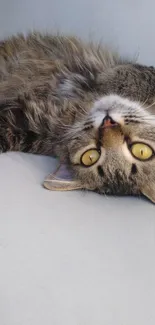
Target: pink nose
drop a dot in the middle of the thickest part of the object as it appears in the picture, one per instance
(108, 122)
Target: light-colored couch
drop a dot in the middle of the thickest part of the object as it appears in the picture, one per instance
(75, 258)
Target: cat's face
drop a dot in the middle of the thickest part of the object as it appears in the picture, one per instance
(113, 150)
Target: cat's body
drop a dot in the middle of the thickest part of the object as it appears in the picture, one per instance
(54, 95)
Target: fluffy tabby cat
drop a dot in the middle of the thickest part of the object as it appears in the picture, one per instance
(60, 96)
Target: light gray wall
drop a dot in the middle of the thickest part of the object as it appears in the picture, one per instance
(127, 24)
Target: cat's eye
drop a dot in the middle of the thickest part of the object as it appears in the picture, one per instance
(141, 151)
(90, 157)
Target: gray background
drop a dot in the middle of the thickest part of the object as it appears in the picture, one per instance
(129, 24)
(74, 258)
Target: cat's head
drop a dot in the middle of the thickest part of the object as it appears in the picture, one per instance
(112, 150)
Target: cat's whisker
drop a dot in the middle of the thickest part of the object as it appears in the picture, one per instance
(150, 105)
(142, 104)
(140, 101)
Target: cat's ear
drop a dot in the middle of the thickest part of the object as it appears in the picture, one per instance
(149, 191)
(62, 180)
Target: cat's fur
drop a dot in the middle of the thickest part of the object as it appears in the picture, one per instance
(55, 92)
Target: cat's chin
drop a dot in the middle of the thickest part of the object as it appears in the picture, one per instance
(113, 105)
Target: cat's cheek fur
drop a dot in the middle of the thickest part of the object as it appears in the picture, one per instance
(148, 190)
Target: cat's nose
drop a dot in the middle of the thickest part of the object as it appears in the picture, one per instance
(108, 122)
(111, 135)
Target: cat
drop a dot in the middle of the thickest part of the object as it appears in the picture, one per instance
(78, 101)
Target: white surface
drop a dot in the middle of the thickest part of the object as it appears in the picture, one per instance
(75, 258)
(72, 258)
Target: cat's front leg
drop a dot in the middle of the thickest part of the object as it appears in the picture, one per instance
(15, 133)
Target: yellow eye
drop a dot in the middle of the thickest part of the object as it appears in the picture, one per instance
(141, 151)
(90, 157)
